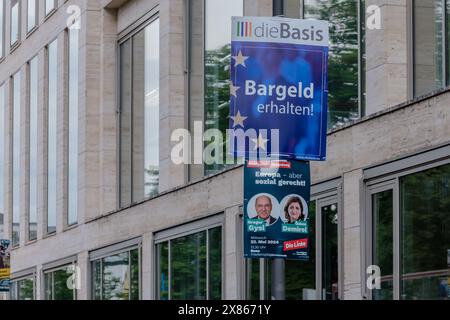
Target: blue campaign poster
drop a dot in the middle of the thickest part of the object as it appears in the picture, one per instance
(279, 87)
(276, 217)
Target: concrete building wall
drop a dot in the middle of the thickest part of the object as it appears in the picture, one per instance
(389, 131)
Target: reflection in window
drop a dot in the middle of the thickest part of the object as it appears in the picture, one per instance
(425, 234)
(382, 255)
(22, 289)
(2, 156)
(344, 57)
(33, 104)
(429, 51)
(210, 69)
(188, 260)
(16, 159)
(31, 14)
(56, 284)
(300, 276)
(52, 135)
(139, 119)
(116, 277)
(73, 127)
(15, 21)
(49, 6)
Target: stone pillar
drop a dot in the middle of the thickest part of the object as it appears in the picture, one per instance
(387, 59)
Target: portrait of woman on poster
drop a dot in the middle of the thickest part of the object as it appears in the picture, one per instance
(294, 211)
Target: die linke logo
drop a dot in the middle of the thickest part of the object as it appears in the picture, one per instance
(280, 30)
(295, 244)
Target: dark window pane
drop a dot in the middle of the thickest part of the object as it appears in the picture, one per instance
(344, 56)
(301, 276)
(425, 234)
(97, 280)
(163, 271)
(330, 252)
(382, 209)
(135, 274)
(61, 290)
(215, 264)
(25, 289)
(188, 257)
(253, 279)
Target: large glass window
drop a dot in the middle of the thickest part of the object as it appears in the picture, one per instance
(210, 47)
(15, 22)
(425, 234)
(2, 156)
(190, 267)
(32, 14)
(117, 277)
(33, 151)
(58, 284)
(17, 176)
(52, 55)
(73, 127)
(139, 115)
(346, 59)
(430, 54)
(23, 289)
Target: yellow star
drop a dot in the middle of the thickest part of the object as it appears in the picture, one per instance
(233, 89)
(260, 143)
(240, 59)
(238, 120)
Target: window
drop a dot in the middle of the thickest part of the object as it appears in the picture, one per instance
(189, 267)
(58, 286)
(15, 22)
(17, 176)
(2, 157)
(52, 189)
(49, 6)
(33, 151)
(139, 115)
(32, 14)
(346, 67)
(117, 276)
(431, 56)
(23, 289)
(210, 58)
(2, 28)
(408, 234)
(73, 127)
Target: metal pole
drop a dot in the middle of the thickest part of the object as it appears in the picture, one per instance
(278, 8)
(278, 279)
(278, 264)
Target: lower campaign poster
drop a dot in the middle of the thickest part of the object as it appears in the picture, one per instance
(5, 265)
(276, 219)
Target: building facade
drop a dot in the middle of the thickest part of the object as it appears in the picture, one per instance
(92, 94)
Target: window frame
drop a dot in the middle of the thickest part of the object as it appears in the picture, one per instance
(116, 249)
(2, 30)
(127, 35)
(383, 177)
(190, 228)
(51, 268)
(20, 276)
